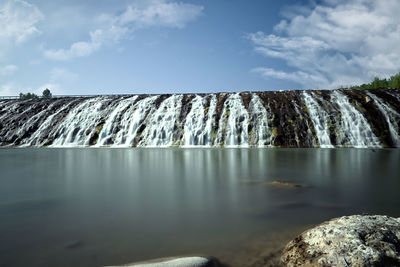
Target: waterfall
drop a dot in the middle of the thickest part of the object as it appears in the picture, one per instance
(391, 116)
(309, 118)
(132, 120)
(354, 129)
(14, 108)
(79, 124)
(199, 121)
(112, 124)
(232, 129)
(320, 119)
(308, 133)
(37, 138)
(160, 125)
(261, 134)
(211, 116)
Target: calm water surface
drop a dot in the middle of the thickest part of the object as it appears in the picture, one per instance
(93, 207)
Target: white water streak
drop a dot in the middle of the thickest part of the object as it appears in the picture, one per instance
(199, 121)
(112, 123)
(233, 123)
(32, 120)
(131, 120)
(319, 118)
(160, 125)
(391, 116)
(353, 128)
(13, 108)
(261, 134)
(77, 127)
(34, 140)
(127, 122)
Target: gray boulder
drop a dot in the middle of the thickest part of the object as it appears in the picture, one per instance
(195, 261)
(347, 241)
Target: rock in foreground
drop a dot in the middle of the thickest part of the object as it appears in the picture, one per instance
(347, 241)
(177, 262)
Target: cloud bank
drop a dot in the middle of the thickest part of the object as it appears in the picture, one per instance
(334, 43)
(139, 15)
(18, 21)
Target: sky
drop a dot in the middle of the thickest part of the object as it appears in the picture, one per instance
(76, 47)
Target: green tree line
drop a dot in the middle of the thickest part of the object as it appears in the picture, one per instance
(392, 82)
(46, 94)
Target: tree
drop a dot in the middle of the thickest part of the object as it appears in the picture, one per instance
(47, 93)
(28, 96)
(392, 82)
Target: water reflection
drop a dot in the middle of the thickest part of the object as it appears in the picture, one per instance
(122, 205)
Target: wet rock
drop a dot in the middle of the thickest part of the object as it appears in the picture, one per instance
(286, 184)
(356, 240)
(281, 119)
(195, 261)
(277, 183)
(75, 244)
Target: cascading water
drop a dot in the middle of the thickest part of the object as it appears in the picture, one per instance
(37, 138)
(111, 124)
(391, 116)
(261, 134)
(131, 121)
(351, 118)
(354, 129)
(160, 125)
(14, 107)
(232, 129)
(80, 123)
(320, 119)
(199, 121)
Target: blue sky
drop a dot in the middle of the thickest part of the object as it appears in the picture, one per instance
(168, 46)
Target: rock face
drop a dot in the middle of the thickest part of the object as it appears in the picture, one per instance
(308, 118)
(347, 241)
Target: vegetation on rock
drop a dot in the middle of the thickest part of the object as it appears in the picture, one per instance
(28, 96)
(392, 82)
(46, 94)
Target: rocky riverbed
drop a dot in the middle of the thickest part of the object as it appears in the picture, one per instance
(369, 240)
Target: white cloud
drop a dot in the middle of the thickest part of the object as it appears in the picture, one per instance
(17, 21)
(7, 70)
(151, 13)
(298, 76)
(78, 49)
(160, 13)
(338, 42)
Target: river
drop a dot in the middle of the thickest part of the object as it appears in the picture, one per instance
(103, 206)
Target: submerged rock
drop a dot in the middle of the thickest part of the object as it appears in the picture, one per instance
(283, 183)
(75, 244)
(194, 261)
(356, 240)
(269, 183)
